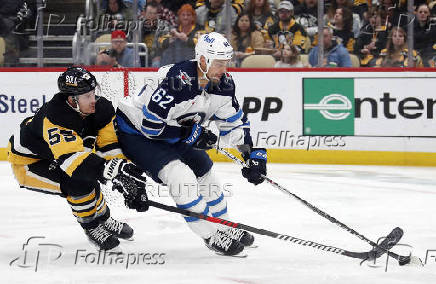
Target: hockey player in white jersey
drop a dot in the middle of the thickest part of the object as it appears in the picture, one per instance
(162, 131)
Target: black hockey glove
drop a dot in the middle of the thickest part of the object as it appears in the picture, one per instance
(134, 193)
(129, 180)
(256, 162)
(118, 167)
(199, 137)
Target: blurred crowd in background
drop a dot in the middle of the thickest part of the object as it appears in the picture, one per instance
(263, 33)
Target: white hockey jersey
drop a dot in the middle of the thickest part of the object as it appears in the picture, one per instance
(160, 113)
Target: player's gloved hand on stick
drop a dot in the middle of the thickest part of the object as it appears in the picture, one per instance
(134, 193)
(118, 167)
(256, 162)
(199, 137)
(129, 180)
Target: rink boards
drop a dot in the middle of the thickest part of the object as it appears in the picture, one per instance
(332, 116)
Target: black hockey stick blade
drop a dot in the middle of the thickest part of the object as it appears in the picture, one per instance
(388, 242)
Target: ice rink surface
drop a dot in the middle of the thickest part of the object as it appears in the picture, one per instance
(370, 199)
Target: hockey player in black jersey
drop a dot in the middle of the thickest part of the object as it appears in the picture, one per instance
(52, 152)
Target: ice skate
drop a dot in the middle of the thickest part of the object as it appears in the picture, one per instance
(118, 229)
(224, 245)
(241, 236)
(100, 237)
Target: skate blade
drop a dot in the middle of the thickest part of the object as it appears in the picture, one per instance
(251, 247)
(131, 239)
(239, 255)
(117, 249)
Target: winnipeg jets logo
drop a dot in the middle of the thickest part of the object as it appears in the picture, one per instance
(184, 78)
(227, 77)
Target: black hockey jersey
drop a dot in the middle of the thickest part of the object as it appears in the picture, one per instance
(78, 146)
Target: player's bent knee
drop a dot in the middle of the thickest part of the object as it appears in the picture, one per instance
(182, 183)
(33, 181)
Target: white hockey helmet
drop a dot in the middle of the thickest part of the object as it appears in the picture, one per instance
(212, 46)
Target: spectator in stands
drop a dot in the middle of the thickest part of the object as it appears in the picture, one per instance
(179, 44)
(372, 38)
(290, 57)
(335, 54)
(174, 6)
(165, 14)
(393, 12)
(124, 55)
(245, 37)
(361, 6)
(13, 14)
(106, 57)
(395, 53)
(237, 5)
(331, 12)
(260, 11)
(287, 30)
(115, 7)
(211, 14)
(306, 15)
(129, 4)
(151, 33)
(424, 33)
(343, 26)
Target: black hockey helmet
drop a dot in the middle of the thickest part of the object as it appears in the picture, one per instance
(76, 81)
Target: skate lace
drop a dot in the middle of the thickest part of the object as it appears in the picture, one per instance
(235, 234)
(113, 225)
(221, 240)
(99, 233)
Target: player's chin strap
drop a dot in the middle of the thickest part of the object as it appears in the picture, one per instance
(401, 259)
(204, 76)
(77, 108)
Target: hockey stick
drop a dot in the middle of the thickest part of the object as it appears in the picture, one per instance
(390, 240)
(402, 260)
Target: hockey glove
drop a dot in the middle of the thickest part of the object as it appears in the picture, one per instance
(199, 137)
(129, 180)
(134, 193)
(256, 162)
(116, 168)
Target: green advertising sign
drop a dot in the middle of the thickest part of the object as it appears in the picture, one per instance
(328, 106)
